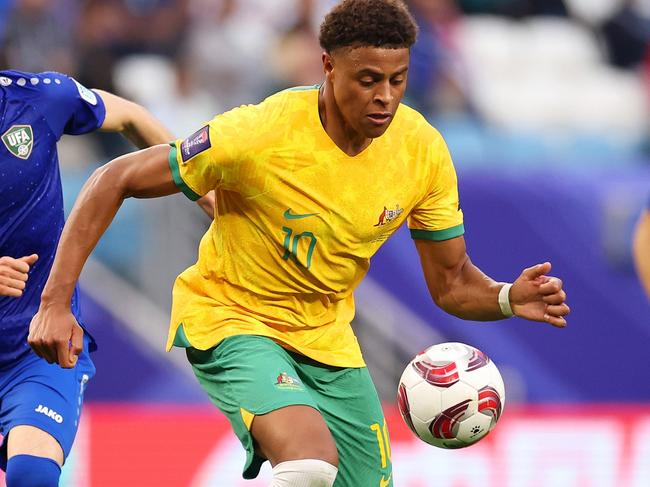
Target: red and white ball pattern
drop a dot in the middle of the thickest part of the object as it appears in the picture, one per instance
(451, 395)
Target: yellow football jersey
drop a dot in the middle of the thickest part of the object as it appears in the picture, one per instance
(297, 220)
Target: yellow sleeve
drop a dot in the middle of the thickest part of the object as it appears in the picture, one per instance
(438, 215)
(210, 156)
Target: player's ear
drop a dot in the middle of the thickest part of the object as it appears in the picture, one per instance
(328, 64)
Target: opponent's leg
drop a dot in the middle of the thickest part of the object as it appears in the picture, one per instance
(30, 471)
(34, 458)
(39, 412)
(29, 440)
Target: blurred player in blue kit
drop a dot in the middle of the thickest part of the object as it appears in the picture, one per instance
(40, 403)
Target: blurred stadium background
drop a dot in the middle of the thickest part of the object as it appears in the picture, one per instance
(545, 105)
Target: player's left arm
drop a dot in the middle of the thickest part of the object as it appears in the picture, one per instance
(641, 250)
(462, 289)
(138, 125)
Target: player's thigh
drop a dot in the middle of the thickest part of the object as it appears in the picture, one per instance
(294, 433)
(42, 402)
(348, 401)
(250, 378)
(29, 440)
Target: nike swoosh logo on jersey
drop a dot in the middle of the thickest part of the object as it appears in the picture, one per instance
(293, 216)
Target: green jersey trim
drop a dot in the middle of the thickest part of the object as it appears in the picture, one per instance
(176, 174)
(303, 88)
(180, 338)
(438, 235)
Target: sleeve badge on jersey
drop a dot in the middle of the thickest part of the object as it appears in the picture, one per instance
(86, 94)
(19, 140)
(195, 144)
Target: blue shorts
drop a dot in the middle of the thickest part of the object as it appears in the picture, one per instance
(35, 393)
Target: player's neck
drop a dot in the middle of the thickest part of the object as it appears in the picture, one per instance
(345, 137)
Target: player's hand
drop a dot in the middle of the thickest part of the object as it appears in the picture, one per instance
(55, 335)
(538, 297)
(14, 274)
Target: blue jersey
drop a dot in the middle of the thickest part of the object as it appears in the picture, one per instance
(35, 111)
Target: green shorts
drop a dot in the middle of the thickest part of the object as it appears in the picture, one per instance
(248, 375)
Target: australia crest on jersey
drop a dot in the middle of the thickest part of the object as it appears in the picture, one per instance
(388, 215)
(19, 140)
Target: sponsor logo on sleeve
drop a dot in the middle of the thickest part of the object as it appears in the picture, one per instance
(19, 140)
(87, 95)
(195, 144)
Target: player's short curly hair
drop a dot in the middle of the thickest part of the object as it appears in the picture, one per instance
(379, 23)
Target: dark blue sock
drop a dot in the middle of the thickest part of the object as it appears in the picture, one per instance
(31, 471)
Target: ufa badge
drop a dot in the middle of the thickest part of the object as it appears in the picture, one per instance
(19, 140)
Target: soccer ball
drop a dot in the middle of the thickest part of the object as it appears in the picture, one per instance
(451, 395)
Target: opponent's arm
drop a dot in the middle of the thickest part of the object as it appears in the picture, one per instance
(641, 250)
(133, 121)
(462, 289)
(142, 174)
(138, 125)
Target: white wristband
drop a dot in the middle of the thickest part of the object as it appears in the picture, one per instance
(504, 300)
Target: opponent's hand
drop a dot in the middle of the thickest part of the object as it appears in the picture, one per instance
(538, 297)
(55, 335)
(14, 274)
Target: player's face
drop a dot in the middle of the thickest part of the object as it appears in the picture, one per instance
(368, 83)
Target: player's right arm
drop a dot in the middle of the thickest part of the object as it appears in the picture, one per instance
(54, 333)
(138, 125)
(194, 166)
(641, 249)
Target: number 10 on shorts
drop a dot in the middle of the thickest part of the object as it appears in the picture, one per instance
(382, 441)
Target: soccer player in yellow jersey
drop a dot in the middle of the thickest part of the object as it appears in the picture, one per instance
(309, 184)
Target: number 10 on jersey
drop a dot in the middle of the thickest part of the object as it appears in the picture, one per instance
(291, 241)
